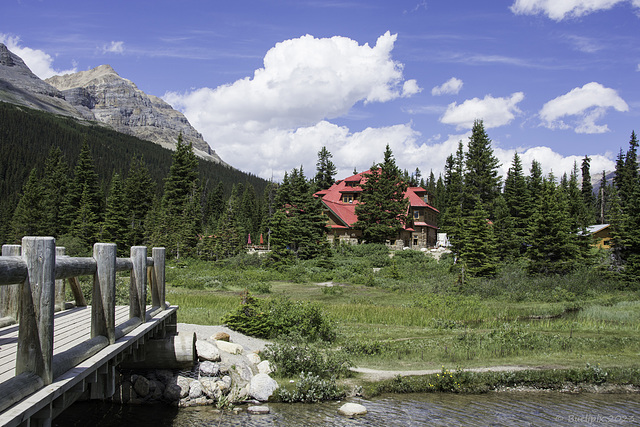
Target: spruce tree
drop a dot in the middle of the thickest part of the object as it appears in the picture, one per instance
(116, 219)
(382, 208)
(603, 201)
(139, 191)
(325, 170)
(479, 254)
(516, 217)
(552, 247)
(28, 218)
(481, 177)
(587, 192)
(55, 185)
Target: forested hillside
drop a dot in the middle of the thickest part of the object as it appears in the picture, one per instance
(28, 136)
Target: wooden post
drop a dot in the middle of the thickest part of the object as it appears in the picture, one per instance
(158, 286)
(37, 293)
(60, 291)
(138, 286)
(103, 303)
(9, 293)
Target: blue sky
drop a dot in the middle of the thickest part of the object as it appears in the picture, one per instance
(268, 83)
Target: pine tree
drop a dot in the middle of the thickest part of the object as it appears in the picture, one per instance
(228, 237)
(534, 186)
(481, 177)
(28, 218)
(603, 202)
(382, 208)
(553, 248)
(116, 219)
(451, 218)
(325, 170)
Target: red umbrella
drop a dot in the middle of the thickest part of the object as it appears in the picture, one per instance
(249, 240)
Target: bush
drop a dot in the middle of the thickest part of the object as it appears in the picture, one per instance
(274, 317)
(310, 389)
(293, 358)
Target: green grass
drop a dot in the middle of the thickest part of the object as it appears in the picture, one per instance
(419, 317)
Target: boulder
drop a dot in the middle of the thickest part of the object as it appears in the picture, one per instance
(209, 369)
(261, 387)
(183, 383)
(220, 336)
(210, 387)
(254, 358)
(172, 393)
(141, 386)
(195, 390)
(258, 410)
(229, 347)
(264, 367)
(207, 351)
(352, 409)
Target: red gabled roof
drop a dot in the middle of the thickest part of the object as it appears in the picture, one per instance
(346, 212)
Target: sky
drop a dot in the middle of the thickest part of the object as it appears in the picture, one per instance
(269, 83)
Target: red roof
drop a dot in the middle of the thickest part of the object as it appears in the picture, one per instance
(346, 212)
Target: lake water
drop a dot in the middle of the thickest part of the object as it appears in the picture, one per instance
(438, 409)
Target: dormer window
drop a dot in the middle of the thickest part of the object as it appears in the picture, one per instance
(347, 198)
(416, 214)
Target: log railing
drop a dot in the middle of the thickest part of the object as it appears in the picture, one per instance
(28, 295)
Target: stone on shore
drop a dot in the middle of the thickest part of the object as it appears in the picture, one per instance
(220, 336)
(209, 369)
(352, 410)
(258, 410)
(262, 387)
(254, 358)
(264, 367)
(207, 351)
(228, 347)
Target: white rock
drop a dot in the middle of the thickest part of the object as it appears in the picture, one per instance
(209, 369)
(229, 347)
(262, 387)
(264, 367)
(253, 358)
(352, 409)
(207, 351)
(195, 390)
(258, 410)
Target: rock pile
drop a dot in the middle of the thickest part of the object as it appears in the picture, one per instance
(224, 374)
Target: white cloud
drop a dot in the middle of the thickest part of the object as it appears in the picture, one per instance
(450, 87)
(39, 62)
(277, 120)
(113, 47)
(561, 9)
(583, 106)
(493, 111)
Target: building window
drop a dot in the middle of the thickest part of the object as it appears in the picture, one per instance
(347, 198)
(416, 214)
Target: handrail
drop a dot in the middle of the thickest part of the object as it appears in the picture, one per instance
(34, 267)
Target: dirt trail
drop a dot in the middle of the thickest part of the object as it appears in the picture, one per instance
(378, 375)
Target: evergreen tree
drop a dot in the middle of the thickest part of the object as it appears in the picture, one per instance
(382, 208)
(139, 191)
(603, 201)
(180, 210)
(451, 218)
(249, 211)
(534, 186)
(587, 192)
(479, 254)
(325, 170)
(116, 219)
(28, 218)
(55, 185)
(213, 207)
(481, 177)
(228, 237)
(553, 249)
(84, 201)
(514, 221)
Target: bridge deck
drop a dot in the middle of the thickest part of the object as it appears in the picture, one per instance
(70, 328)
(73, 327)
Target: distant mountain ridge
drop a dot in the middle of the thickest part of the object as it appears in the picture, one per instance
(100, 95)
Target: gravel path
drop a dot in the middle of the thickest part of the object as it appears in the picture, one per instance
(250, 344)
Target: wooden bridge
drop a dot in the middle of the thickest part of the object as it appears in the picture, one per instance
(49, 358)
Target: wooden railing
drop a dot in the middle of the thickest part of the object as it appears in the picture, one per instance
(28, 294)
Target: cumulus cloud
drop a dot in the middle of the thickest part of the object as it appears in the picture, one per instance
(561, 9)
(280, 114)
(450, 87)
(493, 111)
(113, 47)
(39, 62)
(582, 107)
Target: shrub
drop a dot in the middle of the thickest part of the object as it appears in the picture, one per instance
(310, 389)
(274, 317)
(293, 358)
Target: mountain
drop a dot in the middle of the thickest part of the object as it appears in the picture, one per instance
(100, 95)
